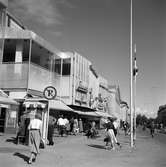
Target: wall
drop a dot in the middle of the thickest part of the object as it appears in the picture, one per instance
(13, 75)
(81, 80)
(93, 86)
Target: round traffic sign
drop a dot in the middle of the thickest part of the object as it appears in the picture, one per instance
(50, 93)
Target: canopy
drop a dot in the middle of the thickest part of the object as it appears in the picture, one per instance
(104, 114)
(5, 99)
(88, 113)
(59, 105)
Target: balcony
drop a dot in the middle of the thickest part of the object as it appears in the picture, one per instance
(13, 75)
(19, 76)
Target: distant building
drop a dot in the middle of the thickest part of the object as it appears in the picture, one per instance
(74, 79)
(93, 86)
(161, 115)
(124, 108)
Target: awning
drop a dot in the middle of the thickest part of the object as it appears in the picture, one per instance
(104, 114)
(59, 105)
(5, 99)
(92, 114)
(4, 106)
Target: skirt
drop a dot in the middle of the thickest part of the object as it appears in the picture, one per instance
(35, 141)
(111, 136)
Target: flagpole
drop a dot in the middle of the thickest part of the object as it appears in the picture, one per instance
(135, 74)
(131, 75)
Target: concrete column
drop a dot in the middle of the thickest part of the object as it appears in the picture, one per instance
(2, 31)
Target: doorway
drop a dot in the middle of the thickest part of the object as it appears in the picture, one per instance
(2, 119)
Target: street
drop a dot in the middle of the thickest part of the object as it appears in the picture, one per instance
(78, 151)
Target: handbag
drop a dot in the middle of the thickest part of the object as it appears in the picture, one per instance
(106, 139)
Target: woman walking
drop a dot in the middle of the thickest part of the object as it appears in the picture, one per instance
(110, 135)
(35, 127)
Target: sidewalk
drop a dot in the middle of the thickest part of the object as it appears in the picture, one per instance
(78, 151)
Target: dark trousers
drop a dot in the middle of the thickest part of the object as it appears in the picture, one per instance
(62, 129)
(50, 134)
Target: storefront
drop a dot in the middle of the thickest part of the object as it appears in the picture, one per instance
(44, 108)
(8, 114)
(58, 107)
(34, 107)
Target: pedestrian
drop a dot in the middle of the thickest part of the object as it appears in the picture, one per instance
(80, 125)
(152, 128)
(75, 127)
(61, 125)
(144, 126)
(35, 127)
(93, 130)
(110, 136)
(116, 125)
(71, 125)
(67, 126)
(88, 129)
(51, 125)
(125, 127)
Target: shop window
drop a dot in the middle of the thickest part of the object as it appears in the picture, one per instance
(26, 48)
(57, 66)
(66, 66)
(10, 50)
(41, 56)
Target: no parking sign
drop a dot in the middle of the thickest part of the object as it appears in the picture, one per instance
(50, 93)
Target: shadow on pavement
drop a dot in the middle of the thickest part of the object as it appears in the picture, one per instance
(97, 146)
(24, 157)
(12, 140)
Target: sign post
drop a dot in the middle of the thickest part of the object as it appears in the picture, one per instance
(49, 93)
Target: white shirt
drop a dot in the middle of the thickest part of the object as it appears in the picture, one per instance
(66, 121)
(61, 121)
(116, 125)
(35, 124)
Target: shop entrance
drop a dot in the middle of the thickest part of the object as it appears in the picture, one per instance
(2, 119)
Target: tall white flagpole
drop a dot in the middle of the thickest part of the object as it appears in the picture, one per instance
(131, 75)
(135, 76)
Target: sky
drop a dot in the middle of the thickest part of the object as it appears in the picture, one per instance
(100, 31)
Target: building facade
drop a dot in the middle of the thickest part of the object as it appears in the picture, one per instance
(74, 79)
(28, 64)
(26, 67)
